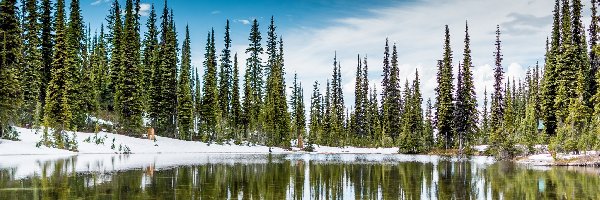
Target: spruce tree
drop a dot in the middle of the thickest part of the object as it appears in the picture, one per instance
(337, 106)
(185, 104)
(428, 129)
(497, 107)
(298, 116)
(316, 116)
(128, 94)
(165, 78)
(236, 107)
(359, 119)
(225, 80)
(392, 105)
(79, 99)
(115, 39)
(101, 74)
(32, 65)
(58, 113)
(275, 111)
(10, 50)
(253, 79)
(150, 60)
(210, 101)
(466, 103)
(444, 99)
(485, 121)
(47, 45)
(549, 85)
(593, 43)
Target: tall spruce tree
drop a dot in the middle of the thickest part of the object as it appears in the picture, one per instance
(298, 116)
(549, 85)
(392, 103)
(128, 94)
(466, 103)
(165, 78)
(497, 107)
(80, 98)
(444, 99)
(116, 59)
(47, 46)
(275, 111)
(32, 65)
(58, 108)
(225, 80)
(594, 30)
(359, 120)
(236, 107)
(185, 104)
(253, 90)
(210, 101)
(11, 59)
(150, 60)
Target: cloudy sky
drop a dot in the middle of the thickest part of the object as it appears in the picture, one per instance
(313, 30)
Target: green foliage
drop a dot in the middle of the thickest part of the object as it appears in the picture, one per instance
(185, 104)
(10, 50)
(210, 102)
(444, 99)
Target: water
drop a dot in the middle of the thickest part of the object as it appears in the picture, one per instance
(286, 176)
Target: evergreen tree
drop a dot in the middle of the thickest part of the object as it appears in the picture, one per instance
(80, 99)
(275, 114)
(128, 94)
(412, 139)
(165, 78)
(385, 82)
(549, 84)
(236, 107)
(466, 103)
(497, 107)
(58, 113)
(47, 45)
(185, 104)
(225, 80)
(10, 50)
(115, 39)
(360, 112)
(392, 106)
(337, 106)
(428, 129)
(444, 99)
(298, 116)
(150, 61)
(210, 101)
(374, 118)
(32, 65)
(594, 30)
(316, 116)
(485, 121)
(253, 79)
(101, 74)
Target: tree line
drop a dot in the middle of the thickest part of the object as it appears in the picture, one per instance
(57, 74)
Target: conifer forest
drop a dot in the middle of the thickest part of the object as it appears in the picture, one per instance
(59, 76)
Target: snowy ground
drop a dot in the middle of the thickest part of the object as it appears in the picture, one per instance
(589, 158)
(29, 138)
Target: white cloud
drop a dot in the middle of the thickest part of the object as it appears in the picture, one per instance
(418, 29)
(144, 9)
(243, 21)
(214, 12)
(96, 2)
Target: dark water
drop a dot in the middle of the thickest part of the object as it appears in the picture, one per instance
(244, 176)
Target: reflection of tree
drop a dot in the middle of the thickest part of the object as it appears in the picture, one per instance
(279, 178)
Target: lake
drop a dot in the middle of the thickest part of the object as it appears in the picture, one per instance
(287, 176)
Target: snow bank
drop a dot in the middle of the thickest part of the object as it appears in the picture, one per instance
(29, 137)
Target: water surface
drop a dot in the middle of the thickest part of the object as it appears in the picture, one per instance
(286, 176)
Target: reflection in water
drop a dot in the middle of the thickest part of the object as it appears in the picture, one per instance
(299, 177)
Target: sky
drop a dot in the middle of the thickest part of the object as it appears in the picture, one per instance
(314, 30)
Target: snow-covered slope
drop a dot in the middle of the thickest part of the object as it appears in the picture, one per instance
(29, 138)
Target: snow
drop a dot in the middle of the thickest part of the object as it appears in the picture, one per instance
(29, 138)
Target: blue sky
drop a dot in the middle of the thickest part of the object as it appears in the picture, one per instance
(314, 29)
